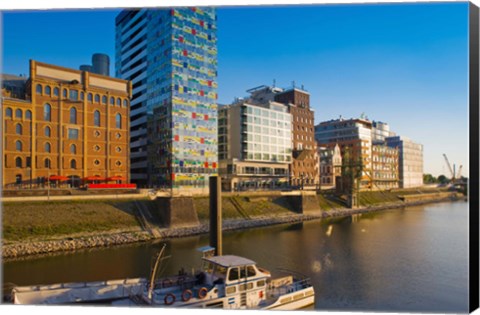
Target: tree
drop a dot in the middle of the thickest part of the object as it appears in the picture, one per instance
(442, 179)
(429, 179)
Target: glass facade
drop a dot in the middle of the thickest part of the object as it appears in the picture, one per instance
(174, 110)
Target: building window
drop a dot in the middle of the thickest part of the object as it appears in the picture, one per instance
(48, 90)
(39, 89)
(90, 97)
(8, 112)
(104, 100)
(112, 100)
(118, 121)
(74, 95)
(118, 149)
(28, 115)
(56, 91)
(18, 129)
(29, 162)
(48, 132)
(48, 147)
(72, 134)
(65, 93)
(119, 102)
(73, 149)
(18, 145)
(96, 162)
(97, 133)
(96, 148)
(96, 118)
(47, 112)
(97, 98)
(18, 113)
(48, 163)
(18, 162)
(125, 103)
(73, 115)
(73, 164)
(118, 163)
(82, 96)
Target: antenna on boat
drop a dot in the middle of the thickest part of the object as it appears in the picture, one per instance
(154, 272)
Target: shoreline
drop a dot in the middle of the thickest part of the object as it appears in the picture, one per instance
(33, 249)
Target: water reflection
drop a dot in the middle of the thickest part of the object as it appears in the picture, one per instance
(413, 259)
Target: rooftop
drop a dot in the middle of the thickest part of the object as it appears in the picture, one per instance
(230, 261)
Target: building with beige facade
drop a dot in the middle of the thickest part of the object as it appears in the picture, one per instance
(384, 167)
(410, 161)
(330, 161)
(68, 123)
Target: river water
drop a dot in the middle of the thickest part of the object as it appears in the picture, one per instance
(412, 260)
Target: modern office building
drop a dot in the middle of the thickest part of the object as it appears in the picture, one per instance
(410, 161)
(68, 123)
(354, 137)
(384, 167)
(255, 145)
(330, 161)
(381, 131)
(100, 65)
(170, 55)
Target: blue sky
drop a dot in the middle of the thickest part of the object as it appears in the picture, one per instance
(404, 64)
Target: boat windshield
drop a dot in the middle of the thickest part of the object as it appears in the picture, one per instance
(220, 272)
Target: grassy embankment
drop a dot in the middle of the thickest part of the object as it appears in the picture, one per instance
(46, 220)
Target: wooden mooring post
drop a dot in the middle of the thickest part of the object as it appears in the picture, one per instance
(216, 214)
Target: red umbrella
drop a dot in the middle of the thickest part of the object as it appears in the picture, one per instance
(116, 178)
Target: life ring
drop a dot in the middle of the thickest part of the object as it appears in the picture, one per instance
(167, 283)
(202, 293)
(187, 295)
(169, 299)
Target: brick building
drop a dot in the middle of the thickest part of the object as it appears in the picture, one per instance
(304, 168)
(69, 123)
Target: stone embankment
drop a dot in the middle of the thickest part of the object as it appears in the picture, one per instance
(24, 249)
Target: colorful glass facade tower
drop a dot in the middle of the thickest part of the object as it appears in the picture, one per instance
(170, 55)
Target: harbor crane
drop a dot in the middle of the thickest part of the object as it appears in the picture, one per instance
(455, 176)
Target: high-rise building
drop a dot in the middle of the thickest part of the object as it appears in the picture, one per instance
(170, 55)
(68, 123)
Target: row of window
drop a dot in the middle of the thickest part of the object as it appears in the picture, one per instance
(18, 113)
(75, 96)
(47, 115)
(47, 163)
(48, 147)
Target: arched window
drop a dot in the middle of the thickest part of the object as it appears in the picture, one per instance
(18, 129)
(48, 147)
(112, 100)
(48, 132)
(90, 97)
(18, 162)
(18, 145)
(65, 93)
(56, 91)
(47, 163)
(48, 90)
(96, 118)
(8, 112)
(47, 112)
(119, 102)
(104, 100)
(73, 149)
(118, 121)
(125, 103)
(39, 89)
(28, 114)
(73, 164)
(18, 113)
(18, 178)
(73, 115)
(97, 98)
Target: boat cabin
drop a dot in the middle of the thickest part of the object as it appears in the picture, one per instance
(236, 278)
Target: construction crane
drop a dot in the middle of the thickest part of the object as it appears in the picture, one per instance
(452, 171)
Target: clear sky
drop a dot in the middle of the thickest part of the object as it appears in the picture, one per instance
(404, 64)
